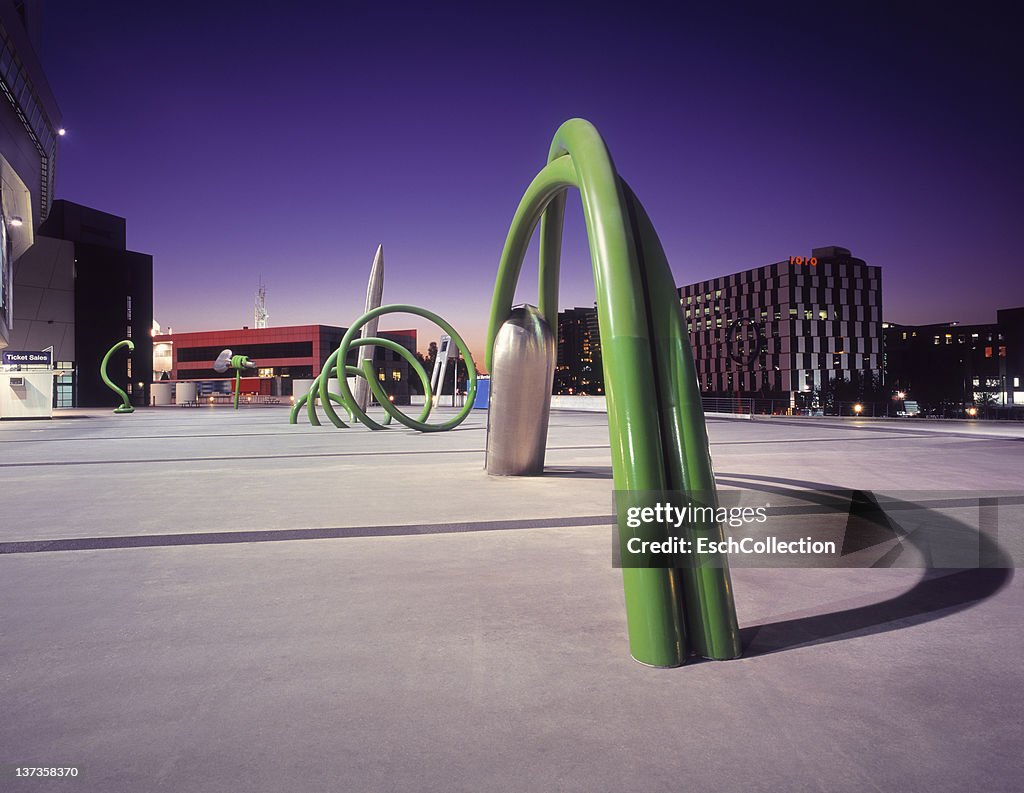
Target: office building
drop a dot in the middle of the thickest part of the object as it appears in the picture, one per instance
(787, 328)
(578, 367)
(30, 124)
(946, 366)
(80, 290)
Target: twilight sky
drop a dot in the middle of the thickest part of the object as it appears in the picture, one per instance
(287, 140)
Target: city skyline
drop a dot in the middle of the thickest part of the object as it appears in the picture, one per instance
(247, 145)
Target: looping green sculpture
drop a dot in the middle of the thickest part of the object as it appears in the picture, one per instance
(125, 406)
(655, 419)
(336, 362)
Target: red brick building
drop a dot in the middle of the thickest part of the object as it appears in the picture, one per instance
(281, 355)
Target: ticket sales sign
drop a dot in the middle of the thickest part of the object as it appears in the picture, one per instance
(23, 358)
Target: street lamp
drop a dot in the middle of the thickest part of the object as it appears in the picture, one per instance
(858, 408)
(972, 411)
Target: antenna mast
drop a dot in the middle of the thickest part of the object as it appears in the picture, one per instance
(260, 315)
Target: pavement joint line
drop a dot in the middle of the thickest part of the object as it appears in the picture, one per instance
(284, 535)
(418, 529)
(219, 459)
(937, 431)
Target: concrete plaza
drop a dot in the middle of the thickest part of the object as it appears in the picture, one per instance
(210, 600)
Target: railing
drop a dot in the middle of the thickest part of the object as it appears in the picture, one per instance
(739, 406)
(212, 400)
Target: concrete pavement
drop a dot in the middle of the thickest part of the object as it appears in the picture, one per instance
(455, 632)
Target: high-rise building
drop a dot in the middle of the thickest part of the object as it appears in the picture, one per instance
(945, 366)
(578, 367)
(30, 124)
(80, 290)
(789, 327)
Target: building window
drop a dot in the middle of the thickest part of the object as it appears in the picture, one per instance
(396, 376)
(129, 308)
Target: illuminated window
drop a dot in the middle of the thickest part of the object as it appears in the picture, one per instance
(396, 376)
(988, 352)
(381, 376)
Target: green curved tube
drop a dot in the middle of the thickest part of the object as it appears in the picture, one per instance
(652, 417)
(293, 417)
(707, 593)
(125, 406)
(350, 341)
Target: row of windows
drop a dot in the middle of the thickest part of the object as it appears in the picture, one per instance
(784, 274)
(288, 349)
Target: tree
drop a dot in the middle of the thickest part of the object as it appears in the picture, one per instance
(986, 400)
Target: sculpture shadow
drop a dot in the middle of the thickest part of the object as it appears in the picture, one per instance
(937, 594)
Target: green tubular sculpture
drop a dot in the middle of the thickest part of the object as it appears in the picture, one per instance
(125, 406)
(336, 362)
(655, 419)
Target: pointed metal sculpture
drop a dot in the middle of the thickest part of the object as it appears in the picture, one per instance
(374, 293)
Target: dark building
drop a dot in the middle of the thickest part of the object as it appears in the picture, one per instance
(578, 368)
(29, 129)
(80, 291)
(786, 328)
(947, 366)
(282, 355)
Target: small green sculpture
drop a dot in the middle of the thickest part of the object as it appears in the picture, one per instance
(125, 406)
(237, 362)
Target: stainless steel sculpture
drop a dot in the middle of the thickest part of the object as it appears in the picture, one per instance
(374, 293)
(522, 371)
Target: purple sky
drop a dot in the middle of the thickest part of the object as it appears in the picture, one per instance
(289, 139)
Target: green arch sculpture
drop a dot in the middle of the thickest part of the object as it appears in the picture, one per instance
(655, 417)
